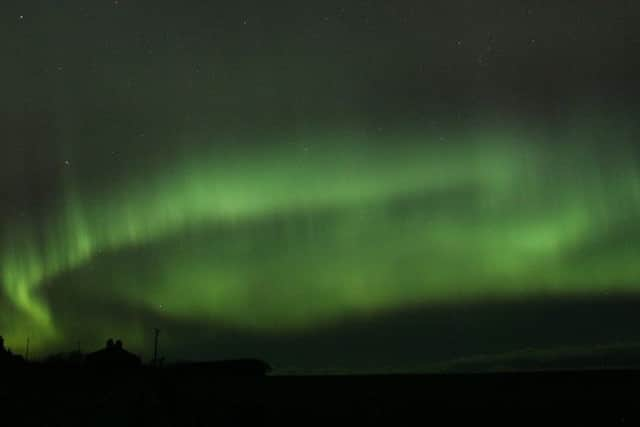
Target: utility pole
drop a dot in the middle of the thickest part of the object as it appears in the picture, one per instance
(156, 332)
(26, 352)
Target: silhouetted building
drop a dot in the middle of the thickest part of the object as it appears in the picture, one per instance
(113, 356)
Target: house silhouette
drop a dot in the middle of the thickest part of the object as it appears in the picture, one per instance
(113, 355)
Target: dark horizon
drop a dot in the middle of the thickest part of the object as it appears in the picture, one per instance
(419, 340)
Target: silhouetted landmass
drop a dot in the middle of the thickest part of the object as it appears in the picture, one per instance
(70, 359)
(65, 389)
(50, 395)
(620, 356)
(113, 356)
(7, 358)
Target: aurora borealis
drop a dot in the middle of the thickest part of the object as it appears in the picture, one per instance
(205, 168)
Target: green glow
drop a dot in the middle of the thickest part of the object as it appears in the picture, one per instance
(297, 233)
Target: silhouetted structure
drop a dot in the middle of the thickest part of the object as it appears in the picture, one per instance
(113, 356)
(156, 333)
(7, 357)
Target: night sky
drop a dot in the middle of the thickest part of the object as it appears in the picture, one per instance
(358, 184)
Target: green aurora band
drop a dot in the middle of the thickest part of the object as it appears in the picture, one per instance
(300, 232)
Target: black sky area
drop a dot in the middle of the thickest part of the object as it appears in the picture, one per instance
(129, 74)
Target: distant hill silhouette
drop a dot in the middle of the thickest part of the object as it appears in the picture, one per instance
(614, 356)
(113, 356)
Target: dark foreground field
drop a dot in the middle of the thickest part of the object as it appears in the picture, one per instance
(166, 397)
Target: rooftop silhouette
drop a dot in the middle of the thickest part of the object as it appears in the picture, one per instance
(113, 355)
